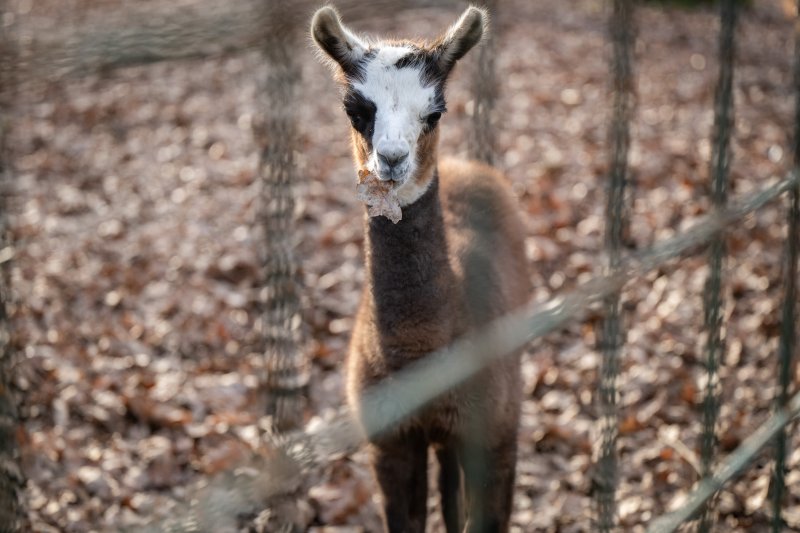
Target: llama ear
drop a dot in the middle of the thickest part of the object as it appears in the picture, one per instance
(461, 37)
(338, 42)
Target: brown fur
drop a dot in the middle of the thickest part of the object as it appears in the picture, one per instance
(455, 262)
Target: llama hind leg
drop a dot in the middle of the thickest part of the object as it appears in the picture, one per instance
(489, 480)
(401, 465)
(451, 489)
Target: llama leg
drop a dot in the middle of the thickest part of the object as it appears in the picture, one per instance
(450, 489)
(489, 480)
(401, 465)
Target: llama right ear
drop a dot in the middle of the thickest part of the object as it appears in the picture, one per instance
(339, 43)
(461, 37)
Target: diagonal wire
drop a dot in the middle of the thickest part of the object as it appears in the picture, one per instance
(141, 33)
(712, 293)
(393, 400)
(419, 383)
(729, 468)
(610, 335)
(788, 331)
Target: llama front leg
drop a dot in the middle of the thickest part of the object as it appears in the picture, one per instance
(489, 481)
(400, 465)
(451, 489)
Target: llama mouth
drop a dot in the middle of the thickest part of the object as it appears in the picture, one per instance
(395, 177)
(387, 180)
(380, 196)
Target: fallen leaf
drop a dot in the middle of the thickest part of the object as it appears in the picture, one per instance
(380, 196)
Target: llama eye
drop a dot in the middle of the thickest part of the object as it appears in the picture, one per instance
(361, 112)
(356, 120)
(433, 118)
(362, 122)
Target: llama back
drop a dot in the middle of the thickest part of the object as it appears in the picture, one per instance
(485, 234)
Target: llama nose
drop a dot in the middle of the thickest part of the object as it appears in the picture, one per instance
(392, 158)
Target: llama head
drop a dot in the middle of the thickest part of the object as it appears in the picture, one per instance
(394, 95)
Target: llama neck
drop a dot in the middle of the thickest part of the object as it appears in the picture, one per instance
(409, 274)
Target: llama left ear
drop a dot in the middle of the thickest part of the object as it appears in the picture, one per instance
(338, 42)
(461, 37)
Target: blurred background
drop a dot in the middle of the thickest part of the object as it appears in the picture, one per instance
(134, 214)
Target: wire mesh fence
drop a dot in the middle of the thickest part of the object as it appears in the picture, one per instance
(273, 479)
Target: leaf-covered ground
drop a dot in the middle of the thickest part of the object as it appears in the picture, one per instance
(137, 266)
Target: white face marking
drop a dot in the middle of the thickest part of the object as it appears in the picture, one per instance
(402, 103)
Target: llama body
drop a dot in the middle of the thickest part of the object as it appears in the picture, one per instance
(453, 263)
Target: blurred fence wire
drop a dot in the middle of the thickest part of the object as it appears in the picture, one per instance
(11, 478)
(730, 467)
(389, 403)
(153, 33)
(610, 335)
(712, 292)
(281, 322)
(788, 341)
(271, 480)
(482, 144)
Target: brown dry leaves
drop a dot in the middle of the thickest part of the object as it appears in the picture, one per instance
(380, 196)
(136, 270)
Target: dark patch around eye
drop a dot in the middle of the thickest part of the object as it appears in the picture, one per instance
(361, 111)
(437, 108)
(432, 119)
